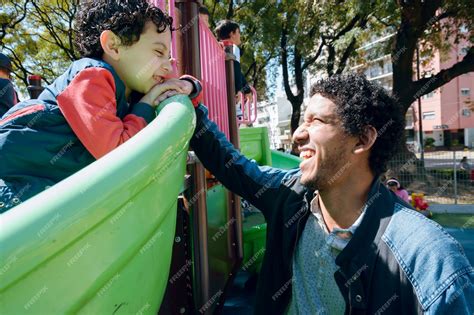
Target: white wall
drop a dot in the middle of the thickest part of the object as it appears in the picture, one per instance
(469, 137)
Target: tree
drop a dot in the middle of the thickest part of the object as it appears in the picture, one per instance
(38, 37)
(258, 45)
(299, 35)
(318, 37)
(429, 25)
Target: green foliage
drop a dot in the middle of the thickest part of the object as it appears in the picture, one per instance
(317, 37)
(448, 173)
(256, 19)
(38, 37)
(429, 142)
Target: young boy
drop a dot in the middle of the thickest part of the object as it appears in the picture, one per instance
(229, 30)
(87, 112)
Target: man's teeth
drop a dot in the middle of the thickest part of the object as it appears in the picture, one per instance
(306, 154)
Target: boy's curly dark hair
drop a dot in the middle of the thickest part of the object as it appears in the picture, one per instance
(360, 103)
(125, 18)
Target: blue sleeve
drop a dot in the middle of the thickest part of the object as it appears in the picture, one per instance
(257, 184)
(458, 298)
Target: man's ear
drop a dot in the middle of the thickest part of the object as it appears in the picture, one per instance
(366, 140)
(110, 44)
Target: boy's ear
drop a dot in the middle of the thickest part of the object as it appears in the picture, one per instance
(110, 44)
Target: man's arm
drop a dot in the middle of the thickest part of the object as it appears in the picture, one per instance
(458, 298)
(258, 185)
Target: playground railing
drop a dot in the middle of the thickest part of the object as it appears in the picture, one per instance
(213, 72)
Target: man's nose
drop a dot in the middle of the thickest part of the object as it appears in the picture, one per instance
(300, 136)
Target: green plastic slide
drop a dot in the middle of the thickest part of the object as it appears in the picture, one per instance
(255, 145)
(284, 160)
(100, 241)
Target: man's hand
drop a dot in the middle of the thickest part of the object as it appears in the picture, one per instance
(162, 91)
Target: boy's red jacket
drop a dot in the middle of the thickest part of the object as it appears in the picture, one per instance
(79, 118)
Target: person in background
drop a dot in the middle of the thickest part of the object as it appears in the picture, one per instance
(204, 15)
(230, 31)
(8, 96)
(464, 164)
(394, 185)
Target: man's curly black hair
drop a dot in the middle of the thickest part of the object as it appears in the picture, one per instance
(125, 18)
(360, 103)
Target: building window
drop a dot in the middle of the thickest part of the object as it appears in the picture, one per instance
(387, 67)
(466, 112)
(428, 95)
(428, 115)
(465, 92)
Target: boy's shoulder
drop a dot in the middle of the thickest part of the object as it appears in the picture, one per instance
(86, 63)
(89, 65)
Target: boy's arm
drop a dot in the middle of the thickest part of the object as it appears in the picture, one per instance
(258, 185)
(240, 81)
(90, 107)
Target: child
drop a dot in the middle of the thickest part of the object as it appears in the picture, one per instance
(394, 185)
(229, 30)
(86, 112)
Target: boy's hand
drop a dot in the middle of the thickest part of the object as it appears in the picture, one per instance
(162, 91)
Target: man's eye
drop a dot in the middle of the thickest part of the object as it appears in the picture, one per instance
(159, 53)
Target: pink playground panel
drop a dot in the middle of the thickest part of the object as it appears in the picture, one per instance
(212, 69)
(213, 77)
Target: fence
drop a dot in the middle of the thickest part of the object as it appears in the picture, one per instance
(441, 177)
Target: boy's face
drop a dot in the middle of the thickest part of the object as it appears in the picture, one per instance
(235, 37)
(146, 62)
(5, 74)
(204, 18)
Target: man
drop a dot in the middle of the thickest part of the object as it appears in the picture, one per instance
(338, 241)
(8, 96)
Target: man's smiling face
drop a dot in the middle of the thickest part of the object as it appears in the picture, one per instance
(323, 144)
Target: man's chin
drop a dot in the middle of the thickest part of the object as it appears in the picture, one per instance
(308, 181)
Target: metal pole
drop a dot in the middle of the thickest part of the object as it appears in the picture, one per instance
(229, 70)
(189, 62)
(200, 238)
(234, 139)
(420, 116)
(187, 43)
(455, 179)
